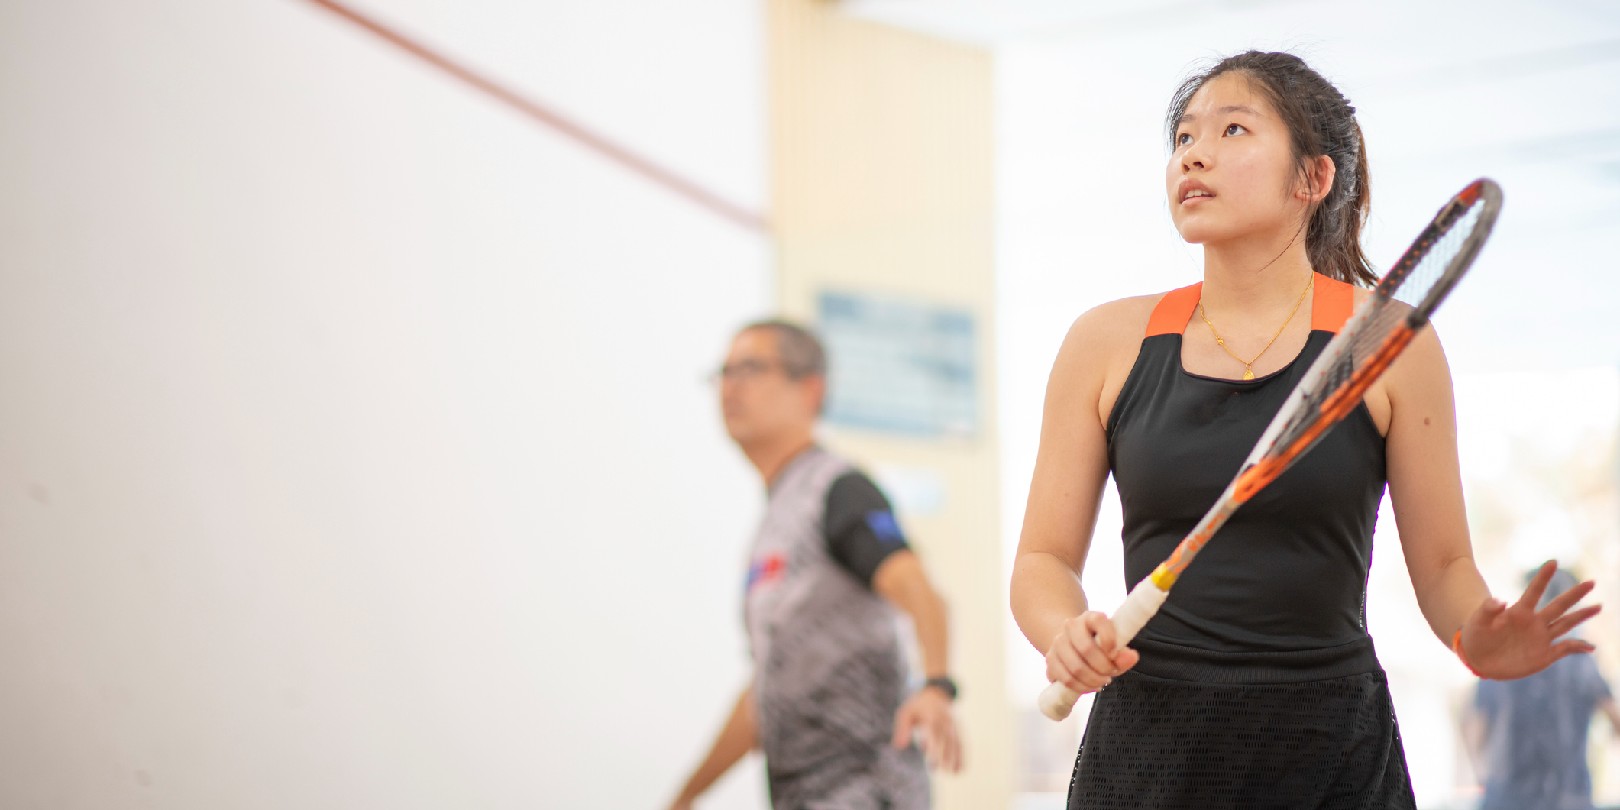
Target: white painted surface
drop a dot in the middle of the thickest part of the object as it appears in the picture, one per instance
(353, 446)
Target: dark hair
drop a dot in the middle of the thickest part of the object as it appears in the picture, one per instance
(1321, 121)
(802, 353)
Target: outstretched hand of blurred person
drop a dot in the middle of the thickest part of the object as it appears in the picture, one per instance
(927, 714)
(1502, 641)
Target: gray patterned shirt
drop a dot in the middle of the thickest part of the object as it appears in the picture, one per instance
(829, 673)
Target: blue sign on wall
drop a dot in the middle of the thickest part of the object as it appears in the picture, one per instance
(899, 366)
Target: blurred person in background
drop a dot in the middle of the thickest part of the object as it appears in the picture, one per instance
(829, 702)
(1528, 736)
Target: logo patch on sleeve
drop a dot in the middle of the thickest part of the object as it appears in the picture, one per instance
(883, 524)
(764, 570)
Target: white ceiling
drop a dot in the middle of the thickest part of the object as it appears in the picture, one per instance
(1546, 79)
(1446, 91)
(1508, 55)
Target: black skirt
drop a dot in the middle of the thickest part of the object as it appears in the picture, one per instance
(1189, 728)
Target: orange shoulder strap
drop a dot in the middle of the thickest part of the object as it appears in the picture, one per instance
(1334, 302)
(1174, 310)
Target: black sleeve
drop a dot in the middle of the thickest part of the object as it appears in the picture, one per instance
(860, 526)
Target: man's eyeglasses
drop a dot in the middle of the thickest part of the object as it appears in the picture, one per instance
(744, 370)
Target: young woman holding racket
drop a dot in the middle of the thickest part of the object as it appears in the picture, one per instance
(1255, 684)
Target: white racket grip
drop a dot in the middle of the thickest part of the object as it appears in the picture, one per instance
(1145, 599)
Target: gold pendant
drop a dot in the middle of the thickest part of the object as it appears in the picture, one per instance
(1248, 373)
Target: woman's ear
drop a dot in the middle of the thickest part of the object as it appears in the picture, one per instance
(1317, 179)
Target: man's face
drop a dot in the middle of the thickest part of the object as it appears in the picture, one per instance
(760, 399)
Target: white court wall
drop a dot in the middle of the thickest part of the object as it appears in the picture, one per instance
(353, 445)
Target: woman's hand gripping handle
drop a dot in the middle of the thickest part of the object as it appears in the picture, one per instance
(1090, 650)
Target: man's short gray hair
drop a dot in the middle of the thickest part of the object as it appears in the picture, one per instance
(802, 352)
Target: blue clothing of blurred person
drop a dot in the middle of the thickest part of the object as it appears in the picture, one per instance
(1529, 735)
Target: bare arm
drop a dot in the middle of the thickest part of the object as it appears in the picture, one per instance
(1425, 488)
(901, 580)
(735, 740)
(1065, 493)
(1425, 485)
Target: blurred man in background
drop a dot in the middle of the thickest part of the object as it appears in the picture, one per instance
(829, 702)
(1528, 736)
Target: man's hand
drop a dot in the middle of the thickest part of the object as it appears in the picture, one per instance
(928, 714)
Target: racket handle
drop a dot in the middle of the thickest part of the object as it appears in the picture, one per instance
(1145, 599)
(1143, 602)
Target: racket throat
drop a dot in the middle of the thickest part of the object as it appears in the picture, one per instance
(1163, 577)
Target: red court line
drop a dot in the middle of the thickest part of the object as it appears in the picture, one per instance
(597, 143)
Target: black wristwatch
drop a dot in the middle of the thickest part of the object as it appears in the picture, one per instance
(944, 684)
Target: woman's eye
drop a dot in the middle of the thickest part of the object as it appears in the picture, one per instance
(1183, 138)
(1235, 129)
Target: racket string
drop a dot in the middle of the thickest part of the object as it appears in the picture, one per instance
(1404, 291)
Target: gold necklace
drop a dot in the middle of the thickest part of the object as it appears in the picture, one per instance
(1248, 365)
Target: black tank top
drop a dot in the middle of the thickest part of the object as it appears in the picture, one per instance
(1289, 570)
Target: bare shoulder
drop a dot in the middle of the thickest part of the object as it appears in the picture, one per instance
(1116, 325)
(1099, 351)
(1422, 367)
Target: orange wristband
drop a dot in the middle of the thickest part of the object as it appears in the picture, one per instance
(1456, 647)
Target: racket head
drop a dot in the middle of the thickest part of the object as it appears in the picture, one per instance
(1443, 252)
(1383, 324)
